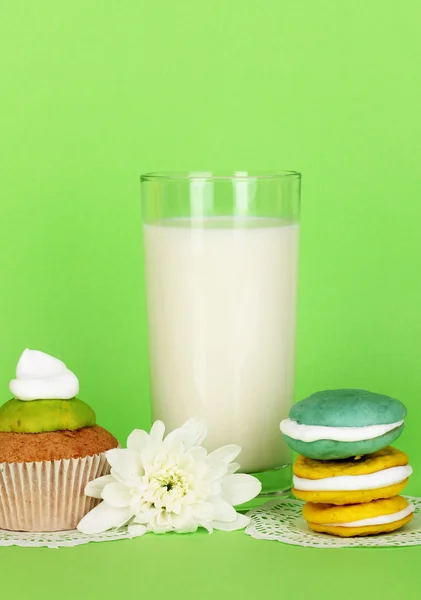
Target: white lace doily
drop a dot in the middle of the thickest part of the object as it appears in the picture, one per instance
(281, 520)
(59, 539)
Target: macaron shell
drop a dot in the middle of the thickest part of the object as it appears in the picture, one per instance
(360, 531)
(347, 408)
(332, 450)
(350, 497)
(389, 457)
(326, 513)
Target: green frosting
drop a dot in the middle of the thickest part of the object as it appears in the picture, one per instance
(347, 408)
(331, 450)
(37, 416)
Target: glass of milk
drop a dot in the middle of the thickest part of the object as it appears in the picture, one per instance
(221, 258)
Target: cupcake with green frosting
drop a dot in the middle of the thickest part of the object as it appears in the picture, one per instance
(50, 448)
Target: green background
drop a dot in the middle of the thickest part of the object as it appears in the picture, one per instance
(94, 93)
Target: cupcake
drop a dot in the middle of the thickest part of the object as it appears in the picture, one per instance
(50, 448)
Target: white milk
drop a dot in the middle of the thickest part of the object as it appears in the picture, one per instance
(221, 299)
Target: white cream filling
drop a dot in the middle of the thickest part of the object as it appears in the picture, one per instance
(382, 520)
(348, 483)
(314, 433)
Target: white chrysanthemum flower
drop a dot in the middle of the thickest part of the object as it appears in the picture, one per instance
(170, 484)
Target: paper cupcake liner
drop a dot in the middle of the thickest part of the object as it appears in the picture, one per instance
(48, 495)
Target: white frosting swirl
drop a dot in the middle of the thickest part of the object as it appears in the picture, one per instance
(40, 376)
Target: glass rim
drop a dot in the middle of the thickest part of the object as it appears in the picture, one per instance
(218, 175)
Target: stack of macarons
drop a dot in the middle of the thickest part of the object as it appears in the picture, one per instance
(346, 470)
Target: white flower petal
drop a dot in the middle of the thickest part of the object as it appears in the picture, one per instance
(148, 456)
(183, 519)
(163, 519)
(206, 526)
(137, 530)
(216, 470)
(143, 517)
(239, 488)
(174, 448)
(103, 517)
(199, 453)
(214, 488)
(124, 463)
(190, 528)
(159, 529)
(199, 470)
(185, 462)
(203, 511)
(196, 431)
(222, 510)
(233, 468)
(138, 440)
(117, 494)
(225, 454)
(94, 488)
(191, 434)
(239, 523)
(157, 432)
(136, 503)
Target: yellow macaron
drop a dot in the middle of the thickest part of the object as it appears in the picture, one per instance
(378, 516)
(383, 474)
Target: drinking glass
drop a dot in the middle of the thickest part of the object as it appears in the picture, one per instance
(221, 258)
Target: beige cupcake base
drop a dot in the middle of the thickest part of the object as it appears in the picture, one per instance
(49, 495)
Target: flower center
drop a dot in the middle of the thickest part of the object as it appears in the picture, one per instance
(171, 480)
(168, 488)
